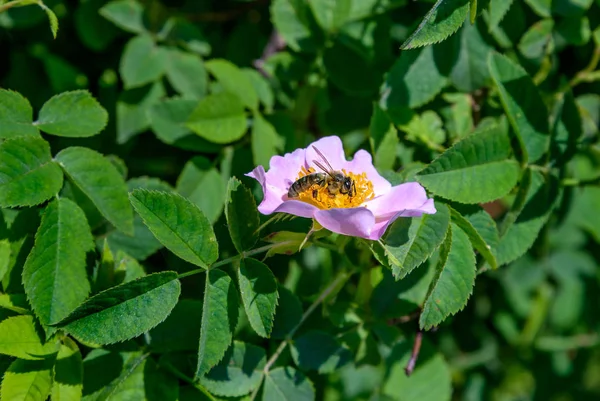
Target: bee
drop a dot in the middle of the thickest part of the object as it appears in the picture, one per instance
(335, 181)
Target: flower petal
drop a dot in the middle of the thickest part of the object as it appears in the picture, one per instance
(356, 222)
(363, 162)
(272, 196)
(409, 198)
(283, 170)
(332, 149)
(297, 208)
(382, 224)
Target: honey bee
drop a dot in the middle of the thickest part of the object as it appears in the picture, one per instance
(335, 181)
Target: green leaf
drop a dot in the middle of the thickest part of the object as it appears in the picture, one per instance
(574, 31)
(28, 176)
(187, 74)
(571, 8)
(133, 110)
(410, 241)
(126, 14)
(242, 216)
(233, 80)
(497, 10)
(543, 8)
(177, 224)
(142, 62)
(179, 331)
(16, 115)
(68, 373)
(297, 26)
(287, 384)
(476, 239)
(430, 381)
(383, 138)
(415, 79)
(124, 311)
(453, 280)
(523, 106)
(100, 181)
(5, 251)
(535, 42)
(350, 70)
(143, 243)
(146, 382)
(444, 18)
(567, 129)
(319, 351)
(238, 373)
(266, 143)
(203, 185)
(263, 88)
(285, 242)
(470, 71)
(258, 288)
(72, 114)
(331, 15)
(477, 169)
(219, 318)
(58, 257)
(51, 18)
(27, 380)
(483, 223)
(219, 118)
(19, 338)
(540, 200)
(288, 313)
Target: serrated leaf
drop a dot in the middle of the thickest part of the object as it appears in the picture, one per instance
(28, 176)
(453, 280)
(470, 71)
(238, 373)
(126, 14)
(58, 258)
(124, 311)
(477, 169)
(219, 118)
(263, 88)
(444, 18)
(319, 351)
(19, 338)
(476, 239)
(178, 224)
(482, 222)
(16, 115)
(219, 318)
(410, 241)
(540, 200)
(383, 138)
(497, 10)
(258, 289)
(288, 313)
(27, 380)
(415, 78)
(233, 80)
(51, 18)
(287, 384)
(5, 251)
(100, 181)
(204, 186)
(74, 114)
(242, 216)
(265, 141)
(68, 373)
(143, 243)
(523, 106)
(142, 62)
(186, 73)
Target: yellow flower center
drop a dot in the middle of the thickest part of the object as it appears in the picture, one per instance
(320, 197)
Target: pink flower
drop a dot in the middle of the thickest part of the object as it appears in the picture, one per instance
(366, 214)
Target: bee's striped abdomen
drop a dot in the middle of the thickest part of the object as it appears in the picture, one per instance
(304, 184)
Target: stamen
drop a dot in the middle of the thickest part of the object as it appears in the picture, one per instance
(324, 200)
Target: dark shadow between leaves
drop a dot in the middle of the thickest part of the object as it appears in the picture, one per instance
(100, 371)
(68, 370)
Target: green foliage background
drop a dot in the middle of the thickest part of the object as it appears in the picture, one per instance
(134, 263)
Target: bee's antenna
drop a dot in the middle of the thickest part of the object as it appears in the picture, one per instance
(319, 165)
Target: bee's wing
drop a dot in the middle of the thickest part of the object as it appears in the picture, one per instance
(330, 170)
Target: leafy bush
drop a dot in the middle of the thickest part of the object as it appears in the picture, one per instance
(134, 263)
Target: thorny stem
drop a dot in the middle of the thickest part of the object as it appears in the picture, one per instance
(342, 276)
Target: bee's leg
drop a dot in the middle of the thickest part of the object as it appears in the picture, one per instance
(315, 193)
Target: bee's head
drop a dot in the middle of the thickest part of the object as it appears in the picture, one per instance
(347, 186)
